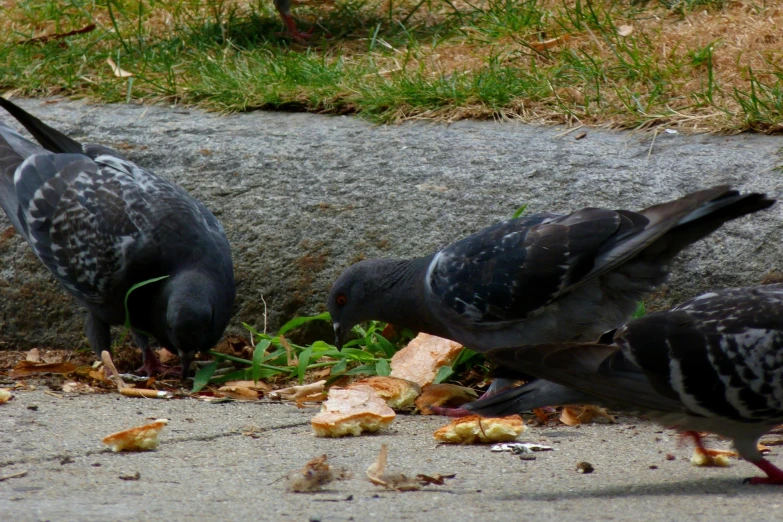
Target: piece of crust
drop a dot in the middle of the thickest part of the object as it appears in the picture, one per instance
(141, 438)
(479, 430)
(445, 396)
(351, 412)
(420, 360)
(399, 394)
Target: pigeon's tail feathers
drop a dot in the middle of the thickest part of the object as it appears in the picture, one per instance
(676, 224)
(536, 394)
(707, 218)
(51, 139)
(13, 150)
(597, 370)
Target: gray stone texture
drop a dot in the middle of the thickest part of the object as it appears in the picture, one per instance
(303, 196)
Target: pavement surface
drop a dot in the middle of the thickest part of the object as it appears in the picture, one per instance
(209, 467)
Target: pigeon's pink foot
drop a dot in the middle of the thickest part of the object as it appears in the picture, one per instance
(152, 367)
(774, 474)
(293, 30)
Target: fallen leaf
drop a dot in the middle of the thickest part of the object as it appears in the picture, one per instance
(548, 44)
(33, 356)
(257, 386)
(25, 368)
(376, 473)
(443, 396)
(314, 475)
(351, 412)
(312, 392)
(624, 30)
(476, 430)
(77, 387)
(141, 438)
(573, 94)
(166, 357)
(239, 392)
(118, 72)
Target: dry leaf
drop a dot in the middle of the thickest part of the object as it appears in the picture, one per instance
(420, 360)
(306, 392)
(444, 396)
(314, 475)
(77, 387)
(351, 412)
(573, 94)
(33, 356)
(5, 395)
(575, 415)
(260, 386)
(548, 44)
(399, 394)
(239, 392)
(624, 30)
(25, 368)
(118, 72)
(475, 429)
(166, 357)
(376, 473)
(141, 438)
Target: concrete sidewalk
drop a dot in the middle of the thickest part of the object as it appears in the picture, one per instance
(208, 468)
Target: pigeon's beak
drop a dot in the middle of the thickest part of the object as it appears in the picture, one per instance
(338, 336)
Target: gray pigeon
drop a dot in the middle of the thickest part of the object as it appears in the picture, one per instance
(536, 279)
(102, 224)
(714, 363)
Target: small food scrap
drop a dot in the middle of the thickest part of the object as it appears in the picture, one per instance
(624, 30)
(443, 396)
(669, 456)
(521, 447)
(135, 476)
(141, 438)
(376, 474)
(313, 392)
(314, 475)
(475, 429)
(77, 387)
(351, 412)
(712, 458)
(575, 415)
(5, 395)
(399, 394)
(25, 368)
(584, 467)
(420, 360)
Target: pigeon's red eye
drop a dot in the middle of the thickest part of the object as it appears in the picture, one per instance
(341, 300)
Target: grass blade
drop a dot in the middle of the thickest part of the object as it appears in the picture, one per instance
(203, 376)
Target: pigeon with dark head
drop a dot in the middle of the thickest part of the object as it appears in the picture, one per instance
(101, 224)
(714, 363)
(536, 279)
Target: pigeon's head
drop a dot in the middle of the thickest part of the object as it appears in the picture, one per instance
(363, 292)
(197, 313)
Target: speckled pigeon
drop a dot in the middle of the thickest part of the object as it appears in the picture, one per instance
(101, 224)
(714, 363)
(536, 279)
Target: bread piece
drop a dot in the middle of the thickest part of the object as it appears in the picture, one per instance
(399, 394)
(444, 396)
(141, 438)
(479, 430)
(420, 360)
(351, 412)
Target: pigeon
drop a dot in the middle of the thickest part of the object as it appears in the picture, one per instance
(535, 279)
(714, 363)
(101, 224)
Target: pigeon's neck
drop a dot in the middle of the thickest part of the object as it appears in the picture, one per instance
(402, 300)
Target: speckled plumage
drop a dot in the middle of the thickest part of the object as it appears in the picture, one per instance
(101, 223)
(714, 363)
(540, 278)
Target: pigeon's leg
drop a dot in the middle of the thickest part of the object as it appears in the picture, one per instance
(151, 365)
(185, 358)
(774, 473)
(284, 8)
(497, 386)
(98, 334)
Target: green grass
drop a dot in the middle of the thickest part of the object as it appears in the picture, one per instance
(391, 61)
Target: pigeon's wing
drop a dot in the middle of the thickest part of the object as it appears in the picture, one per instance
(89, 220)
(511, 269)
